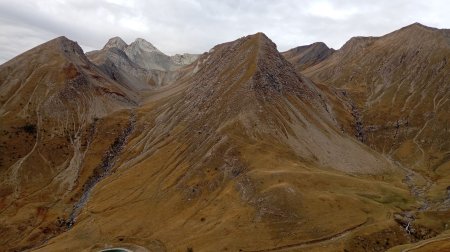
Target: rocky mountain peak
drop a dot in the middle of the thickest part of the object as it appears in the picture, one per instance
(116, 42)
(274, 75)
(143, 45)
(308, 55)
(257, 62)
(63, 46)
(264, 40)
(320, 45)
(417, 25)
(356, 44)
(63, 43)
(184, 59)
(414, 31)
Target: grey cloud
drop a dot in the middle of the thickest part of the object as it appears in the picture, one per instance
(176, 26)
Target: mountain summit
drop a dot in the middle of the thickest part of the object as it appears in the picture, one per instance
(116, 42)
(139, 65)
(142, 45)
(145, 55)
(303, 57)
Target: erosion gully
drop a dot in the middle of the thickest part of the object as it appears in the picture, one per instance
(103, 170)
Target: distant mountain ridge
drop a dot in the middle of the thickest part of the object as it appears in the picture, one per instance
(306, 56)
(147, 56)
(139, 65)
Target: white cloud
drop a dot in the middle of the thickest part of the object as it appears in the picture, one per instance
(176, 26)
(327, 9)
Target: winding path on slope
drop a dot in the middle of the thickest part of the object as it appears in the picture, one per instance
(426, 243)
(312, 242)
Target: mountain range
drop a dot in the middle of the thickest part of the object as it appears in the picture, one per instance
(241, 148)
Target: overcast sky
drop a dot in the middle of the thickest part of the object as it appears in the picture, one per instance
(176, 26)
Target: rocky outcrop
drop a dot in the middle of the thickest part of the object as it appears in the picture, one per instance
(184, 59)
(145, 55)
(116, 42)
